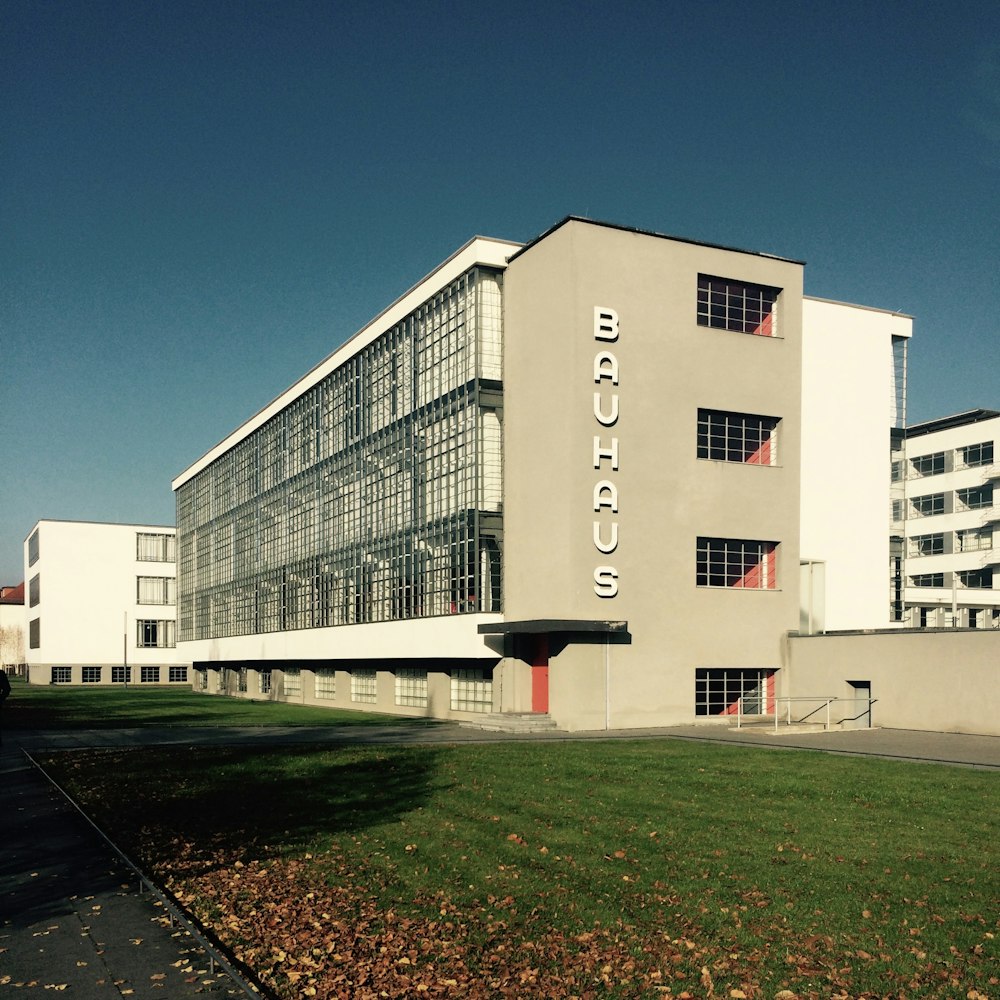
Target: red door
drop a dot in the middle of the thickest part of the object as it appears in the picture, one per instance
(540, 674)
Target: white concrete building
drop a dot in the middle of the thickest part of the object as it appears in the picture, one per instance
(946, 511)
(853, 395)
(572, 478)
(100, 604)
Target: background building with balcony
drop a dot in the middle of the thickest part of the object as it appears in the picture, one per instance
(100, 604)
(946, 480)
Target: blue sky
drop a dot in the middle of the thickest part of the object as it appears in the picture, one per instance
(200, 200)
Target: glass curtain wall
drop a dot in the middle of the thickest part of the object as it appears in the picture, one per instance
(375, 495)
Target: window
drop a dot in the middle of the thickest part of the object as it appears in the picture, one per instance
(737, 437)
(156, 590)
(241, 680)
(156, 634)
(927, 580)
(928, 465)
(724, 304)
(155, 547)
(119, 675)
(471, 690)
(976, 497)
(897, 472)
(34, 590)
(897, 510)
(33, 549)
(363, 685)
(977, 454)
(91, 675)
(62, 675)
(927, 545)
(976, 579)
(717, 691)
(928, 505)
(974, 539)
(326, 682)
(411, 687)
(35, 633)
(735, 562)
(291, 681)
(178, 675)
(264, 681)
(149, 675)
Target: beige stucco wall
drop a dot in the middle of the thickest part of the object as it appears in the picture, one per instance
(947, 681)
(669, 367)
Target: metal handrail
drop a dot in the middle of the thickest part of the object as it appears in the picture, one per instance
(825, 703)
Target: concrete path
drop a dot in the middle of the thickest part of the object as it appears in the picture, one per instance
(72, 916)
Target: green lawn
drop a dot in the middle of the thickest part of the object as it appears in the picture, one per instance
(57, 707)
(591, 869)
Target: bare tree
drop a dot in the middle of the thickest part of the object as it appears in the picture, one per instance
(11, 647)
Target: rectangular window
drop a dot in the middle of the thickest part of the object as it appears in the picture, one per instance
(897, 510)
(264, 681)
(241, 680)
(91, 675)
(974, 539)
(155, 547)
(976, 579)
(977, 454)
(976, 497)
(35, 633)
(291, 681)
(928, 505)
(33, 549)
(178, 675)
(928, 465)
(897, 472)
(62, 675)
(156, 590)
(149, 675)
(156, 634)
(927, 545)
(119, 675)
(725, 304)
(34, 590)
(737, 563)
(717, 691)
(927, 580)
(471, 690)
(326, 683)
(363, 685)
(411, 687)
(737, 437)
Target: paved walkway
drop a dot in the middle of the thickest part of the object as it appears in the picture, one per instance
(72, 916)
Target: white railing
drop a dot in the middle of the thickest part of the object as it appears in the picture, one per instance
(823, 706)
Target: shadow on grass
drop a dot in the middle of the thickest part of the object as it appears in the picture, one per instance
(56, 708)
(211, 809)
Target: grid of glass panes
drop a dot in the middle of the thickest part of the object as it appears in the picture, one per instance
(119, 675)
(291, 681)
(977, 454)
(326, 682)
(471, 690)
(725, 304)
(717, 691)
(976, 497)
(411, 687)
(155, 547)
(62, 675)
(928, 465)
(974, 539)
(928, 505)
(178, 675)
(735, 562)
(149, 675)
(363, 684)
(373, 496)
(927, 545)
(737, 437)
(91, 675)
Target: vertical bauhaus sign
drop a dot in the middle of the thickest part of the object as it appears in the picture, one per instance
(605, 456)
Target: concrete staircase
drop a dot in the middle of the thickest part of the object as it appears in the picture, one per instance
(514, 722)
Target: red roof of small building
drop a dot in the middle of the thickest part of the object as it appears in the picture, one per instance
(12, 595)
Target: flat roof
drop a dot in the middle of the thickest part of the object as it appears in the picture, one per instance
(540, 626)
(946, 423)
(649, 232)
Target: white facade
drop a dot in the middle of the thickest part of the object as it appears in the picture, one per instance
(853, 385)
(949, 482)
(100, 598)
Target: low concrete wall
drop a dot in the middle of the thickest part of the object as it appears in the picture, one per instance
(938, 681)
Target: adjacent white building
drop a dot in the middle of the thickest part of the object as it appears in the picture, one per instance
(946, 516)
(853, 398)
(100, 604)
